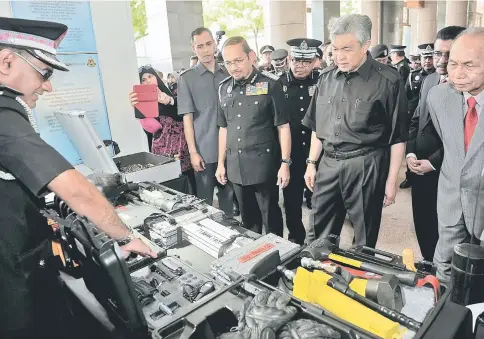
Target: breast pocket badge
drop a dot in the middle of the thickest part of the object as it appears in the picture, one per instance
(311, 90)
(260, 88)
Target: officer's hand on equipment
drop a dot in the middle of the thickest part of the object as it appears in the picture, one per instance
(390, 193)
(423, 166)
(310, 176)
(283, 176)
(133, 98)
(139, 247)
(307, 329)
(197, 162)
(221, 174)
(263, 316)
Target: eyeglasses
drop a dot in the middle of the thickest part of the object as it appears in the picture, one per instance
(236, 62)
(304, 63)
(438, 54)
(45, 73)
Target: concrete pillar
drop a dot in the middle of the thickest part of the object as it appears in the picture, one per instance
(323, 14)
(392, 30)
(441, 8)
(372, 9)
(169, 26)
(423, 22)
(284, 20)
(456, 13)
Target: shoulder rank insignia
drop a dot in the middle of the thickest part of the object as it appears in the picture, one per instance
(270, 75)
(260, 88)
(185, 71)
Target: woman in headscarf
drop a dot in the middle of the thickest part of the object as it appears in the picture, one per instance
(172, 80)
(168, 138)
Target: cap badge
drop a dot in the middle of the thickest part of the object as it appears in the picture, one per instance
(304, 45)
(428, 48)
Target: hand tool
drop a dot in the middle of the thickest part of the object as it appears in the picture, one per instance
(323, 249)
(312, 287)
(385, 291)
(408, 259)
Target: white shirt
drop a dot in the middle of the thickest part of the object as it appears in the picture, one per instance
(480, 102)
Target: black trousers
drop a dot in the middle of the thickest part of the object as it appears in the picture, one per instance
(293, 199)
(355, 187)
(259, 205)
(424, 207)
(206, 183)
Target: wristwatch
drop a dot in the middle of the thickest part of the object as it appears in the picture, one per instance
(127, 239)
(312, 162)
(287, 161)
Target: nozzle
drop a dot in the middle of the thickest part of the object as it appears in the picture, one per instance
(286, 273)
(310, 263)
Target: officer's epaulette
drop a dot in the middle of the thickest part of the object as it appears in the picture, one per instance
(415, 70)
(270, 75)
(224, 80)
(388, 72)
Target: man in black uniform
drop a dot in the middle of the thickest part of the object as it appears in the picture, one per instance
(380, 53)
(29, 169)
(397, 54)
(299, 84)
(415, 62)
(265, 55)
(279, 61)
(412, 88)
(358, 116)
(253, 114)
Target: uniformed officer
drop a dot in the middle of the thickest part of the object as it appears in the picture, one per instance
(416, 78)
(358, 117)
(299, 85)
(380, 53)
(397, 54)
(412, 88)
(415, 62)
(29, 169)
(252, 117)
(319, 63)
(266, 61)
(279, 61)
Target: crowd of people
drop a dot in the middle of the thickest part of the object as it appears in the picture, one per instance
(329, 122)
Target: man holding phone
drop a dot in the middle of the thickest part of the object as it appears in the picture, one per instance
(199, 106)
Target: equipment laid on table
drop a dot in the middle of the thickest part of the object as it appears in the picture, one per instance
(141, 166)
(250, 258)
(151, 294)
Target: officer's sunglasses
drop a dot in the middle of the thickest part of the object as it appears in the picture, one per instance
(45, 73)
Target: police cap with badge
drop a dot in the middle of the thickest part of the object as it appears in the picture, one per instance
(39, 38)
(426, 50)
(279, 57)
(397, 48)
(379, 51)
(266, 49)
(304, 49)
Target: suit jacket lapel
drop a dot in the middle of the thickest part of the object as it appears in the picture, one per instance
(434, 79)
(453, 109)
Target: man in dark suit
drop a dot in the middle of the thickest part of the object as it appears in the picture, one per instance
(425, 151)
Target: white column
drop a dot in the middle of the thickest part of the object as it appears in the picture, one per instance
(284, 20)
(169, 26)
(372, 9)
(456, 13)
(323, 13)
(423, 22)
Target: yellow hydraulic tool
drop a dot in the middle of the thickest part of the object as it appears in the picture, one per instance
(312, 287)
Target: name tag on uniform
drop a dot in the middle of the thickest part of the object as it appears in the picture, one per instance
(311, 90)
(260, 88)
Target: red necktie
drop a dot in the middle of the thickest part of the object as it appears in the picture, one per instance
(470, 122)
(444, 80)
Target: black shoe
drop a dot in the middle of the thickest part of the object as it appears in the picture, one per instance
(405, 184)
(236, 208)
